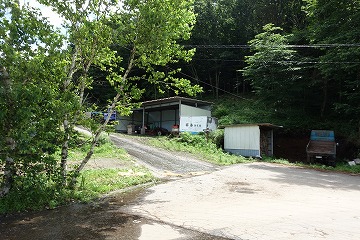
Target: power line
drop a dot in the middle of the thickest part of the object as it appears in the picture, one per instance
(298, 62)
(195, 79)
(243, 46)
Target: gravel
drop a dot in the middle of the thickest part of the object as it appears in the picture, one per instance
(163, 163)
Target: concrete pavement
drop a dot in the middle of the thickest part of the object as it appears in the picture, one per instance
(258, 201)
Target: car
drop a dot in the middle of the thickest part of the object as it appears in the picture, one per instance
(158, 131)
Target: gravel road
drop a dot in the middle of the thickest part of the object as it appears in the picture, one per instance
(164, 164)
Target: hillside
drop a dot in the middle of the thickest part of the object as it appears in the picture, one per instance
(291, 140)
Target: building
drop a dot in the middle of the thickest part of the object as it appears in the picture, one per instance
(250, 140)
(165, 113)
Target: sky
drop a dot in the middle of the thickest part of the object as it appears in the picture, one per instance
(53, 17)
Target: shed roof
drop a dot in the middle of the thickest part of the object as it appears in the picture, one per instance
(176, 100)
(265, 125)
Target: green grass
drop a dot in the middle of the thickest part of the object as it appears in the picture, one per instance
(341, 167)
(39, 191)
(93, 183)
(105, 149)
(200, 147)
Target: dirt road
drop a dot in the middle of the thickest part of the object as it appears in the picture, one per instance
(163, 163)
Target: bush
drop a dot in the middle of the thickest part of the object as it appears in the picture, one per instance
(33, 192)
(190, 139)
(217, 137)
(198, 145)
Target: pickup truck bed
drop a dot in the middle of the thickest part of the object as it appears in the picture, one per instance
(321, 146)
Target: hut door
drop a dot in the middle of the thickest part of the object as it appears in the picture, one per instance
(266, 142)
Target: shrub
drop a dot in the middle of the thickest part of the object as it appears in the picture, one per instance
(217, 137)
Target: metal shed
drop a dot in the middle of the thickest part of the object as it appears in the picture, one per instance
(165, 113)
(250, 140)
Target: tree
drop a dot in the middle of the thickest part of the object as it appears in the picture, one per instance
(333, 24)
(29, 116)
(225, 24)
(272, 69)
(56, 69)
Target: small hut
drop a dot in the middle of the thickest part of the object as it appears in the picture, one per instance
(250, 140)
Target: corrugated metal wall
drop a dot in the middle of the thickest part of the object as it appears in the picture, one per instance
(193, 111)
(242, 140)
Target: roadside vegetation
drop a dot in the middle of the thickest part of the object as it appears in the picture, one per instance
(210, 149)
(205, 148)
(36, 192)
(341, 167)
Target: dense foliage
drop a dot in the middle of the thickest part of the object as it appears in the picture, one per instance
(295, 61)
(46, 72)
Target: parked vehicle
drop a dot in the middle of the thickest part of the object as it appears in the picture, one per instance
(322, 147)
(159, 131)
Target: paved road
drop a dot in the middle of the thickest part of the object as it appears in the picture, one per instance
(259, 201)
(249, 201)
(163, 163)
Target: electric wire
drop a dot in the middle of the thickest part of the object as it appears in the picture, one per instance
(208, 84)
(245, 46)
(300, 62)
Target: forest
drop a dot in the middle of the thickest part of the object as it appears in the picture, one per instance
(294, 63)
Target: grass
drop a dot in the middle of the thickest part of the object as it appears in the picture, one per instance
(105, 149)
(340, 167)
(208, 151)
(94, 183)
(200, 147)
(39, 191)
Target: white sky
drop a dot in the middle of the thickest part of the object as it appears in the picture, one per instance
(53, 17)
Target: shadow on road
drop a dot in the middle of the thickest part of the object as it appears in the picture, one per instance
(101, 220)
(310, 177)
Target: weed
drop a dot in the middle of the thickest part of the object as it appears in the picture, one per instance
(199, 146)
(38, 191)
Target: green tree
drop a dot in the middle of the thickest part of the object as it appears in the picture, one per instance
(52, 72)
(29, 112)
(222, 23)
(334, 24)
(272, 69)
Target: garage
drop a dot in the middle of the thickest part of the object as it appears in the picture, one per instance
(163, 113)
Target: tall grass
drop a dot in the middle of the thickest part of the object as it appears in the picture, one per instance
(341, 167)
(200, 146)
(94, 183)
(35, 192)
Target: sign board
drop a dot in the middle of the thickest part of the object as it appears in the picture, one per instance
(197, 124)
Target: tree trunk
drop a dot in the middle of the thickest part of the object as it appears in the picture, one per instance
(217, 84)
(212, 85)
(94, 142)
(9, 170)
(323, 106)
(66, 124)
(65, 150)
(102, 127)
(9, 173)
